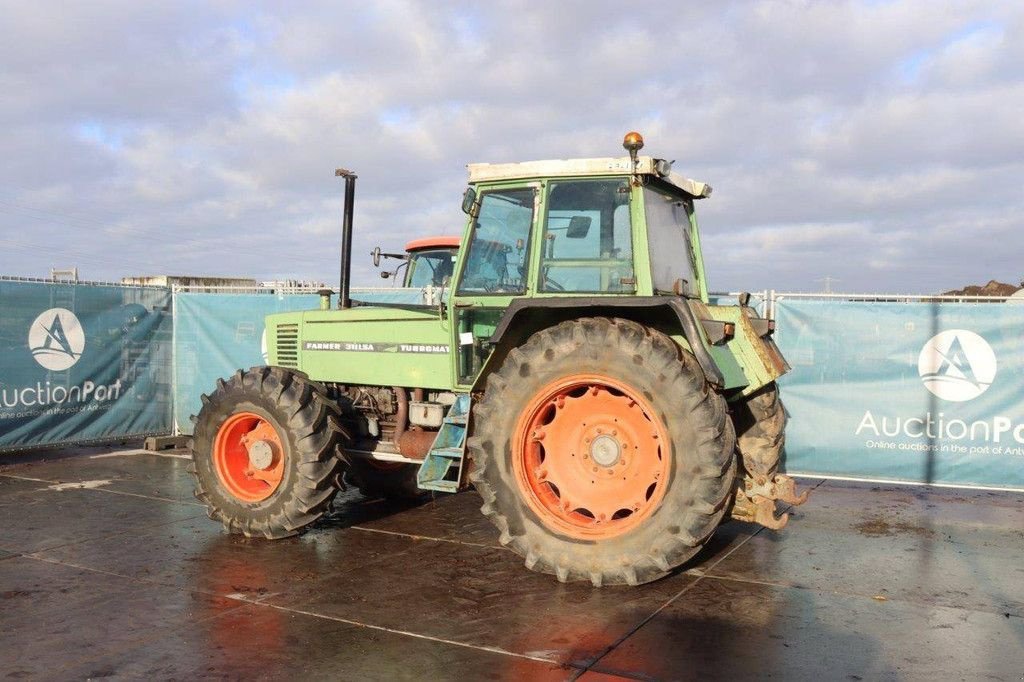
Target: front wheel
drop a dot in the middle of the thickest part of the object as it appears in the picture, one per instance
(602, 453)
(264, 452)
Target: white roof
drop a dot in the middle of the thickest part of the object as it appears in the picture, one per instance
(490, 172)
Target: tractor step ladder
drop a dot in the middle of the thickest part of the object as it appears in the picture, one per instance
(442, 468)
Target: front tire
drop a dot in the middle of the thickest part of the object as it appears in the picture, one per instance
(602, 453)
(265, 452)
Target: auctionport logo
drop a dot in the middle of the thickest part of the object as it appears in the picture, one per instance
(56, 339)
(957, 365)
(57, 342)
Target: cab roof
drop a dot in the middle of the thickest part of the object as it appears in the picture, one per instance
(494, 172)
(441, 242)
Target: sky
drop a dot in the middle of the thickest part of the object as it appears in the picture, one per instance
(862, 146)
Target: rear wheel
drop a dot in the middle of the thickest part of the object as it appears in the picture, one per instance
(602, 453)
(264, 452)
(391, 480)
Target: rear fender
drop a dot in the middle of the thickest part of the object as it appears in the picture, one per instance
(751, 346)
(674, 316)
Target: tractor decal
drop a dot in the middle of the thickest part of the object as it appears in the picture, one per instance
(360, 347)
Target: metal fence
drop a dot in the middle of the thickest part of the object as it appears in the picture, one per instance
(923, 389)
(883, 387)
(82, 362)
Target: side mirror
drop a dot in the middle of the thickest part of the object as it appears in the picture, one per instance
(376, 256)
(578, 228)
(469, 202)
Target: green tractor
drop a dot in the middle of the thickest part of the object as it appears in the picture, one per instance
(574, 372)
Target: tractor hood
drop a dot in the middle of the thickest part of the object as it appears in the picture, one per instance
(393, 346)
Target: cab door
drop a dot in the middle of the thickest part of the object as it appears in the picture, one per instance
(494, 269)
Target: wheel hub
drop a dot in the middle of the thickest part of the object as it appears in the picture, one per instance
(605, 451)
(248, 456)
(261, 455)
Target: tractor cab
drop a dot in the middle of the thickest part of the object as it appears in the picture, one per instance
(424, 271)
(609, 234)
(431, 261)
(427, 262)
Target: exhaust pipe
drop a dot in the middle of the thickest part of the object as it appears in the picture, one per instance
(344, 300)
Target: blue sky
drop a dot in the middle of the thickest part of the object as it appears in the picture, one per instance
(877, 143)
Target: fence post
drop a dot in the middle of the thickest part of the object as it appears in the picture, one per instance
(175, 431)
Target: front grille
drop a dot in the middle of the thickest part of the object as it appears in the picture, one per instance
(288, 345)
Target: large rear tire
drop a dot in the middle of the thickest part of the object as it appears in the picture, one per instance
(265, 452)
(602, 453)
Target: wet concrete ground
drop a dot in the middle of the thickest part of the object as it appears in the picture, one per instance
(110, 569)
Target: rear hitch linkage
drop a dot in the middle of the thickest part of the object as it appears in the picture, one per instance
(756, 497)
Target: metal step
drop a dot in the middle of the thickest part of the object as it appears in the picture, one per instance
(442, 468)
(453, 453)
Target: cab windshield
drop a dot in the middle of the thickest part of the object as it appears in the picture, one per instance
(431, 267)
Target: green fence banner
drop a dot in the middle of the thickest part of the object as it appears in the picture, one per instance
(917, 392)
(216, 334)
(82, 362)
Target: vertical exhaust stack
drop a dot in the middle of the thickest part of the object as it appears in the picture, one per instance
(344, 300)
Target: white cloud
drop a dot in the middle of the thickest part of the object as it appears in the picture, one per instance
(880, 143)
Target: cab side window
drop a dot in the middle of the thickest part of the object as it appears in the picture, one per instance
(499, 247)
(587, 245)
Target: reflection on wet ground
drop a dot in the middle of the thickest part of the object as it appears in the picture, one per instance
(108, 568)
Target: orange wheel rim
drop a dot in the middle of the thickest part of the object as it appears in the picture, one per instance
(249, 457)
(590, 457)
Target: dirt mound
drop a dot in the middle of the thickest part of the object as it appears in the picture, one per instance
(993, 288)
